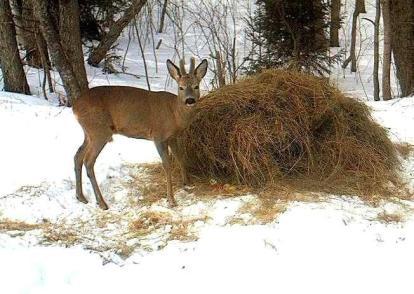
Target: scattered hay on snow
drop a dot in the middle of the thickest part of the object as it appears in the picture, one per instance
(390, 218)
(287, 127)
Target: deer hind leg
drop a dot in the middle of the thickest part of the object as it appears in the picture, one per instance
(79, 156)
(92, 151)
(162, 148)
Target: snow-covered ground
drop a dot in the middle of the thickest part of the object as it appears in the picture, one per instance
(213, 242)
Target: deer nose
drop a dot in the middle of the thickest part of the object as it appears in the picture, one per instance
(190, 101)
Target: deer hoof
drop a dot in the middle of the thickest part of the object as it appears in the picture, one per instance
(103, 206)
(82, 199)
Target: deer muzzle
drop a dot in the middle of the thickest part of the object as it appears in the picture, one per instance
(190, 101)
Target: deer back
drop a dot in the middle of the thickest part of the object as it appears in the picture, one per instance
(129, 111)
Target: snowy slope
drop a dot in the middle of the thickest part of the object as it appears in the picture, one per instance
(332, 244)
(336, 245)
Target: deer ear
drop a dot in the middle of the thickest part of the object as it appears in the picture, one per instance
(201, 70)
(173, 70)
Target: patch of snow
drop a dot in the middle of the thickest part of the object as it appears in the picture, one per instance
(333, 246)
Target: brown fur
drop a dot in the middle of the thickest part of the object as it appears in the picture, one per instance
(98, 109)
(136, 113)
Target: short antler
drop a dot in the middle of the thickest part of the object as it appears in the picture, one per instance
(192, 65)
(182, 67)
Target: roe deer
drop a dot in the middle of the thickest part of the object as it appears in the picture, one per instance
(136, 113)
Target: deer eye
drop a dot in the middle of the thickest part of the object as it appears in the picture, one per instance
(181, 88)
(196, 87)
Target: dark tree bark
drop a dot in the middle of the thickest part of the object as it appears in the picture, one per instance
(359, 8)
(163, 13)
(31, 40)
(142, 55)
(57, 53)
(99, 53)
(70, 37)
(376, 49)
(402, 39)
(17, 10)
(335, 24)
(26, 29)
(386, 65)
(28, 33)
(41, 46)
(11, 65)
(221, 75)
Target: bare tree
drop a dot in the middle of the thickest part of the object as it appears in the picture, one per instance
(70, 37)
(142, 55)
(386, 63)
(45, 62)
(359, 8)
(220, 69)
(26, 30)
(99, 53)
(162, 18)
(335, 24)
(402, 40)
(57, 53)
(219, 23)
(176, 14)
(31, 40)
(11, 65)
(376, 49)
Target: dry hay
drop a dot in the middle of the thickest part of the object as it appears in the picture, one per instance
(61, 234)
(149, 181)
(390, 218)
(404, 149)
(50, 233)
(261, 212)
(150, 221)
(7, 225)
(284, 127)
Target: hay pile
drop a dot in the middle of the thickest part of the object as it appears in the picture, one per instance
(282, 126)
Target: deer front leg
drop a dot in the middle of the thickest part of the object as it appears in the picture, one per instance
(174, 148)
(162, 148)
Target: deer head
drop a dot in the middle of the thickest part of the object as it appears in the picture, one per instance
(188, 83)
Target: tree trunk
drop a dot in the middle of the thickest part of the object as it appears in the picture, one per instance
(359, 8)
(376, 49)
(99, 53)
(142, 55)
(386, 65)
(17, 10)
(221, 75)
(11, 65)
(163, 13)
(57, 54)
(26, 29)
(335, 24)
(41, 46)
(70, 37)
(402, 43)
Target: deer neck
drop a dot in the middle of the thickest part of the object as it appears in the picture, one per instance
(182, 114)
